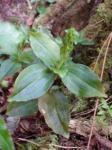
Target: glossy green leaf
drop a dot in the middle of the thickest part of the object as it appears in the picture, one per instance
(27, 57)
(6, 142)
(86, 42)
(8, 67)
(22, 109)
(81, 81)
(45, 48)
(81, 39)
(10, 38)
(33, 82)
(55, 108)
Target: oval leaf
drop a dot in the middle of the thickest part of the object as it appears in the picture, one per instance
(81, 81)
(8, 67)
(6, 142)
(10, 38)
(45, 48)
(33, 82)
(55, 108)
(22, 109)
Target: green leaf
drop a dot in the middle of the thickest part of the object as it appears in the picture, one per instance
(1, 61)
(81, 81)
(51, 1)
(33, 82)
(6, 142)
(10, 38)
(26, 57)
(8, 67)
(22, 109)
(110, 111)
(45, 48)
(1, 53)
(41, 10)
(104, 104)
(86, 42)
(55, 108)
(80, 39)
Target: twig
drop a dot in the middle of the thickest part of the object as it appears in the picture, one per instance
(91, 110)
(104, 62)
(92, 25)
(97, 101)
(65, 147)
(29, 4)
(54, 145)
(101, 51)
(93, 123)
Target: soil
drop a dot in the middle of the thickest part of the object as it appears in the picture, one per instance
(14, 10)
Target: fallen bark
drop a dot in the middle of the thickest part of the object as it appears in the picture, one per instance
(82, 127)
(67, 13)
(103, 141)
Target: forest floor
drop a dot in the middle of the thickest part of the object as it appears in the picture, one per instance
(32, 133)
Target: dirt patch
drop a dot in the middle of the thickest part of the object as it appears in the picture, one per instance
(14, 10)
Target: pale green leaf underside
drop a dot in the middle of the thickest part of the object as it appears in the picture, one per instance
(6, 142)
(33, 82)
(55, 109)
(22, 109)
(10, 37)
(81, 81)
(45, 48)
(8, 67)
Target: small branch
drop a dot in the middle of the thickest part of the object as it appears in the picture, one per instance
(44, 145)
(65, 147)
(100, 53)
(107, 48)
(93, 124)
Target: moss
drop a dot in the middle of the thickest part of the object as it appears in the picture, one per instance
(100, 24)
(105, 11)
